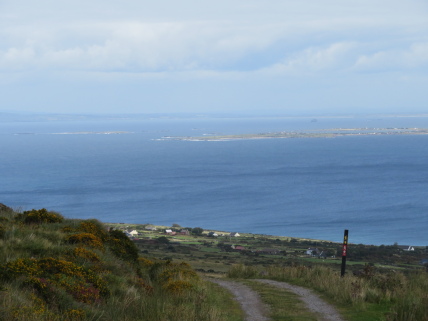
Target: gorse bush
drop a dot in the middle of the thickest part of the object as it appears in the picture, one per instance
(174, 277)
(83, 284)
(87, 239)
(93, 227)
(40, 216)
(81, 252)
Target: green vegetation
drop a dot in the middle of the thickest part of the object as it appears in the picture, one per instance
(284, 304)
(52, 268)
(208, 253)
(379, 283)
(369, 296)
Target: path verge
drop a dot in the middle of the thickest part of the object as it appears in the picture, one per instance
(254, 308)
(312, 301)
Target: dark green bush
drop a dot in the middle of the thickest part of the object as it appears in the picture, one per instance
(162, 240)
(122, 246)
(197, 230)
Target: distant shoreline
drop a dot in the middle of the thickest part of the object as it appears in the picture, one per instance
(150, 230)
(322, 133)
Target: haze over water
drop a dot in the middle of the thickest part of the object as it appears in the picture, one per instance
(375, 186)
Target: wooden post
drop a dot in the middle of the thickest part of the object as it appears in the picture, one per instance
(344, 251)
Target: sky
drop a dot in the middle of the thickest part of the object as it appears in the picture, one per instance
(236, 56)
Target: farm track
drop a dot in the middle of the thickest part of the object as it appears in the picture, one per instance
(252, 305)
(256, 310)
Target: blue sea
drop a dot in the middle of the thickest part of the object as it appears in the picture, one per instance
(375, 186)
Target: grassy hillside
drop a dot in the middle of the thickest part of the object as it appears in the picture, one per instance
(391, 295)
(381, 283)
(52, 268)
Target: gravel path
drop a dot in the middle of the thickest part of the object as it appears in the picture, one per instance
(250, 301)
(325, 311)
(255, 310)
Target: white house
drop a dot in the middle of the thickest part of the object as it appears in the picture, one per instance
(406, 247)
(234, 234)
(133, 233)
(312, 251)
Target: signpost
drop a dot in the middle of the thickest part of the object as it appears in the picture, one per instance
(344, 251)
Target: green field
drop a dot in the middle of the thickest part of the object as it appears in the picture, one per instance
(218, 253)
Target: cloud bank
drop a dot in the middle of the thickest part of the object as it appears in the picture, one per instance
(243, 44)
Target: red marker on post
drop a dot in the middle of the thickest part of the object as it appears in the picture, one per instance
(344, 252)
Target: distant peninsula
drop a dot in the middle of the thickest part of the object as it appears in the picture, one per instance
(321, 133)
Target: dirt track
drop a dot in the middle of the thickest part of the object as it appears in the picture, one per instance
(255, 310)
(250, 301)
(312, 301)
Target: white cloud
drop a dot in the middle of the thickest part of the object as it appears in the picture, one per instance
(413, 57)
(143, 36)
(17, 58)
(253, 43)
(142, 46)
(336, 56)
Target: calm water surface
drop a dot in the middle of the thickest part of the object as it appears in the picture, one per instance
(308, 187)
